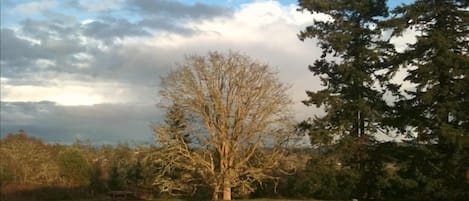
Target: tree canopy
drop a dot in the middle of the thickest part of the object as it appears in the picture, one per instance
(239, 114)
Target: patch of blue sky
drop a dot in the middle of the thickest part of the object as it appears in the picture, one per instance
(237, 3)
(14, 12)
(114, 13)
(234, 3)
(394, 3)
(117, 12)
(10, 17)
(74, 12)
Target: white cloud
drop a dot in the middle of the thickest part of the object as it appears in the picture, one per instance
(45, 63)
(63, 95)
(264, 30)
(3, 80)
(102, 5)
(407, 37)
(32, 8)
(70, 92)
(83, 60)
(258, 22)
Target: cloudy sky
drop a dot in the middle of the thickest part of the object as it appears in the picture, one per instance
(84, 69)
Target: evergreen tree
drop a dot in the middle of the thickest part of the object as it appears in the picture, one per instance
(173, 134)
(135, 173)
(438, 66)
(436, 108)
(353, 70)
(175, 123)
(116, 180)
(97, 184)
(73, 167)
(351, 67)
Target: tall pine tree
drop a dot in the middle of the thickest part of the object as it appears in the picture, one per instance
(175, 123)
(351, 68)
(436, 108)
(438, 66)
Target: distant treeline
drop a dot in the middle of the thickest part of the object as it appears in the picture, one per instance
(29, 164)
(33, 170)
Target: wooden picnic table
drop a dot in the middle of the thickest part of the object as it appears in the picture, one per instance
(120, 194)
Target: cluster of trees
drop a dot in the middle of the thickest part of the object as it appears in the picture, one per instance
(29, 163)
(232, 131)
(228, 131)
(362, 100)
(362, 97)
(33, 170)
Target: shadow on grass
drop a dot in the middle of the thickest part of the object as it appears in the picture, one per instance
(16, 192)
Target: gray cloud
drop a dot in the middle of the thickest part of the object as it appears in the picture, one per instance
(176, 9)
(170, 9)
(16, 50)
(160, 23)
(13, 48)
(17, 55)
(55, 25)
(94, 6)
(106, 123)
(55, 39)
(108, 28)
(59, 42)
(134, 64)
(7, 3)
(21, 58)
(60, 38)
(160, 15)
(87, 55)
(131, 65)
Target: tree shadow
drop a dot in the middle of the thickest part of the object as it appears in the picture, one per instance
(22, 192)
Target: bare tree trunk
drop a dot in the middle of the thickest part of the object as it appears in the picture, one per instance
(225, 169)
(215, 195)
(226, 190)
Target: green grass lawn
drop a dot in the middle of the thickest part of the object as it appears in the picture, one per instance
(264, 199)
(259, 199)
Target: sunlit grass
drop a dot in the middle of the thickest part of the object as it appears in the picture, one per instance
(258, 199)
(264, 199)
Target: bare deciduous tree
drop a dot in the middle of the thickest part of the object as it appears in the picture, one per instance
(238, 121)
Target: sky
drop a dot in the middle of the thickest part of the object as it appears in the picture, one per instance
(90, 70)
